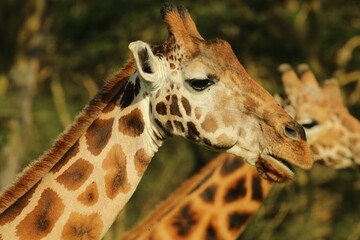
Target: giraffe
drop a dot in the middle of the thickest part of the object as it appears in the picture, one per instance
(218, 202)
(76, 190)
(333, 133)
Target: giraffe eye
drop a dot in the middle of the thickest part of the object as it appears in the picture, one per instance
(310, 124)
(200, 84)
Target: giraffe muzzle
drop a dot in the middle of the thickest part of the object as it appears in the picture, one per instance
(274, 169)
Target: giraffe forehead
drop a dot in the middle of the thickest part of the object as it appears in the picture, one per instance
(220, 53)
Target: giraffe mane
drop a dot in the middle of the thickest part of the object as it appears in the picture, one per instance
(33, 173)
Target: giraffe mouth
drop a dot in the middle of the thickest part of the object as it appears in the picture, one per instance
(274, 169)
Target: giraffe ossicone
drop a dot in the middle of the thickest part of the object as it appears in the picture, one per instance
(189, 87)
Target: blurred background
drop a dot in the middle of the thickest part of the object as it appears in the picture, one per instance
(54, 56)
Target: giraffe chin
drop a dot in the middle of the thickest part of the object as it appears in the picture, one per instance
(274, 169)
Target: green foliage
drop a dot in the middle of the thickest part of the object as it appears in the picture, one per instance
(81, 43)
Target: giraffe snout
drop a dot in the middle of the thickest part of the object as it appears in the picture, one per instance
(295, 131)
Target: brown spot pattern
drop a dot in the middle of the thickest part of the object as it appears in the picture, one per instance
(163, 128)
(211, 233)
(236, 220)
(179, 126)
(40, 221)
(116, 180)
(184, 221)
(127, 95)
(98, 135)
(112, 95)
(186, 105)
(132, 124)
(84, 227)
(257, 193)
(230, 165)
(236, 191)
(193, 133)
(208, 194)
(14, 210)
(137, 86)
(174, 106)
(90, 196)
(141, 161)
(76, 174)
(161, 108)
(67, 156)
(207, 142)
(210, 124)
(169, 127)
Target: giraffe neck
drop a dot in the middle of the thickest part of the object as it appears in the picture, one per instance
(83, 190)
(192, 212)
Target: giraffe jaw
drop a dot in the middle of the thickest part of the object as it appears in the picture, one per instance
(274, 169)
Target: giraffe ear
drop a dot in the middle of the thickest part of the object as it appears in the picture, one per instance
(147, 64)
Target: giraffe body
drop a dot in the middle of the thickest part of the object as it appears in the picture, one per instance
(214, 204)
(76, 190)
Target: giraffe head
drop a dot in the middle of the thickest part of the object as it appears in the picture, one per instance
(198, 89)
(332, 132)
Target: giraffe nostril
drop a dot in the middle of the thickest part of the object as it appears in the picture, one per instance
(295, 131)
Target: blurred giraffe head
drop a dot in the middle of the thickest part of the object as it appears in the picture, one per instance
(333, 134)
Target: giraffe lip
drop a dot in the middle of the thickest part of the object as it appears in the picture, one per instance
(283, 161)
(274, 169)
